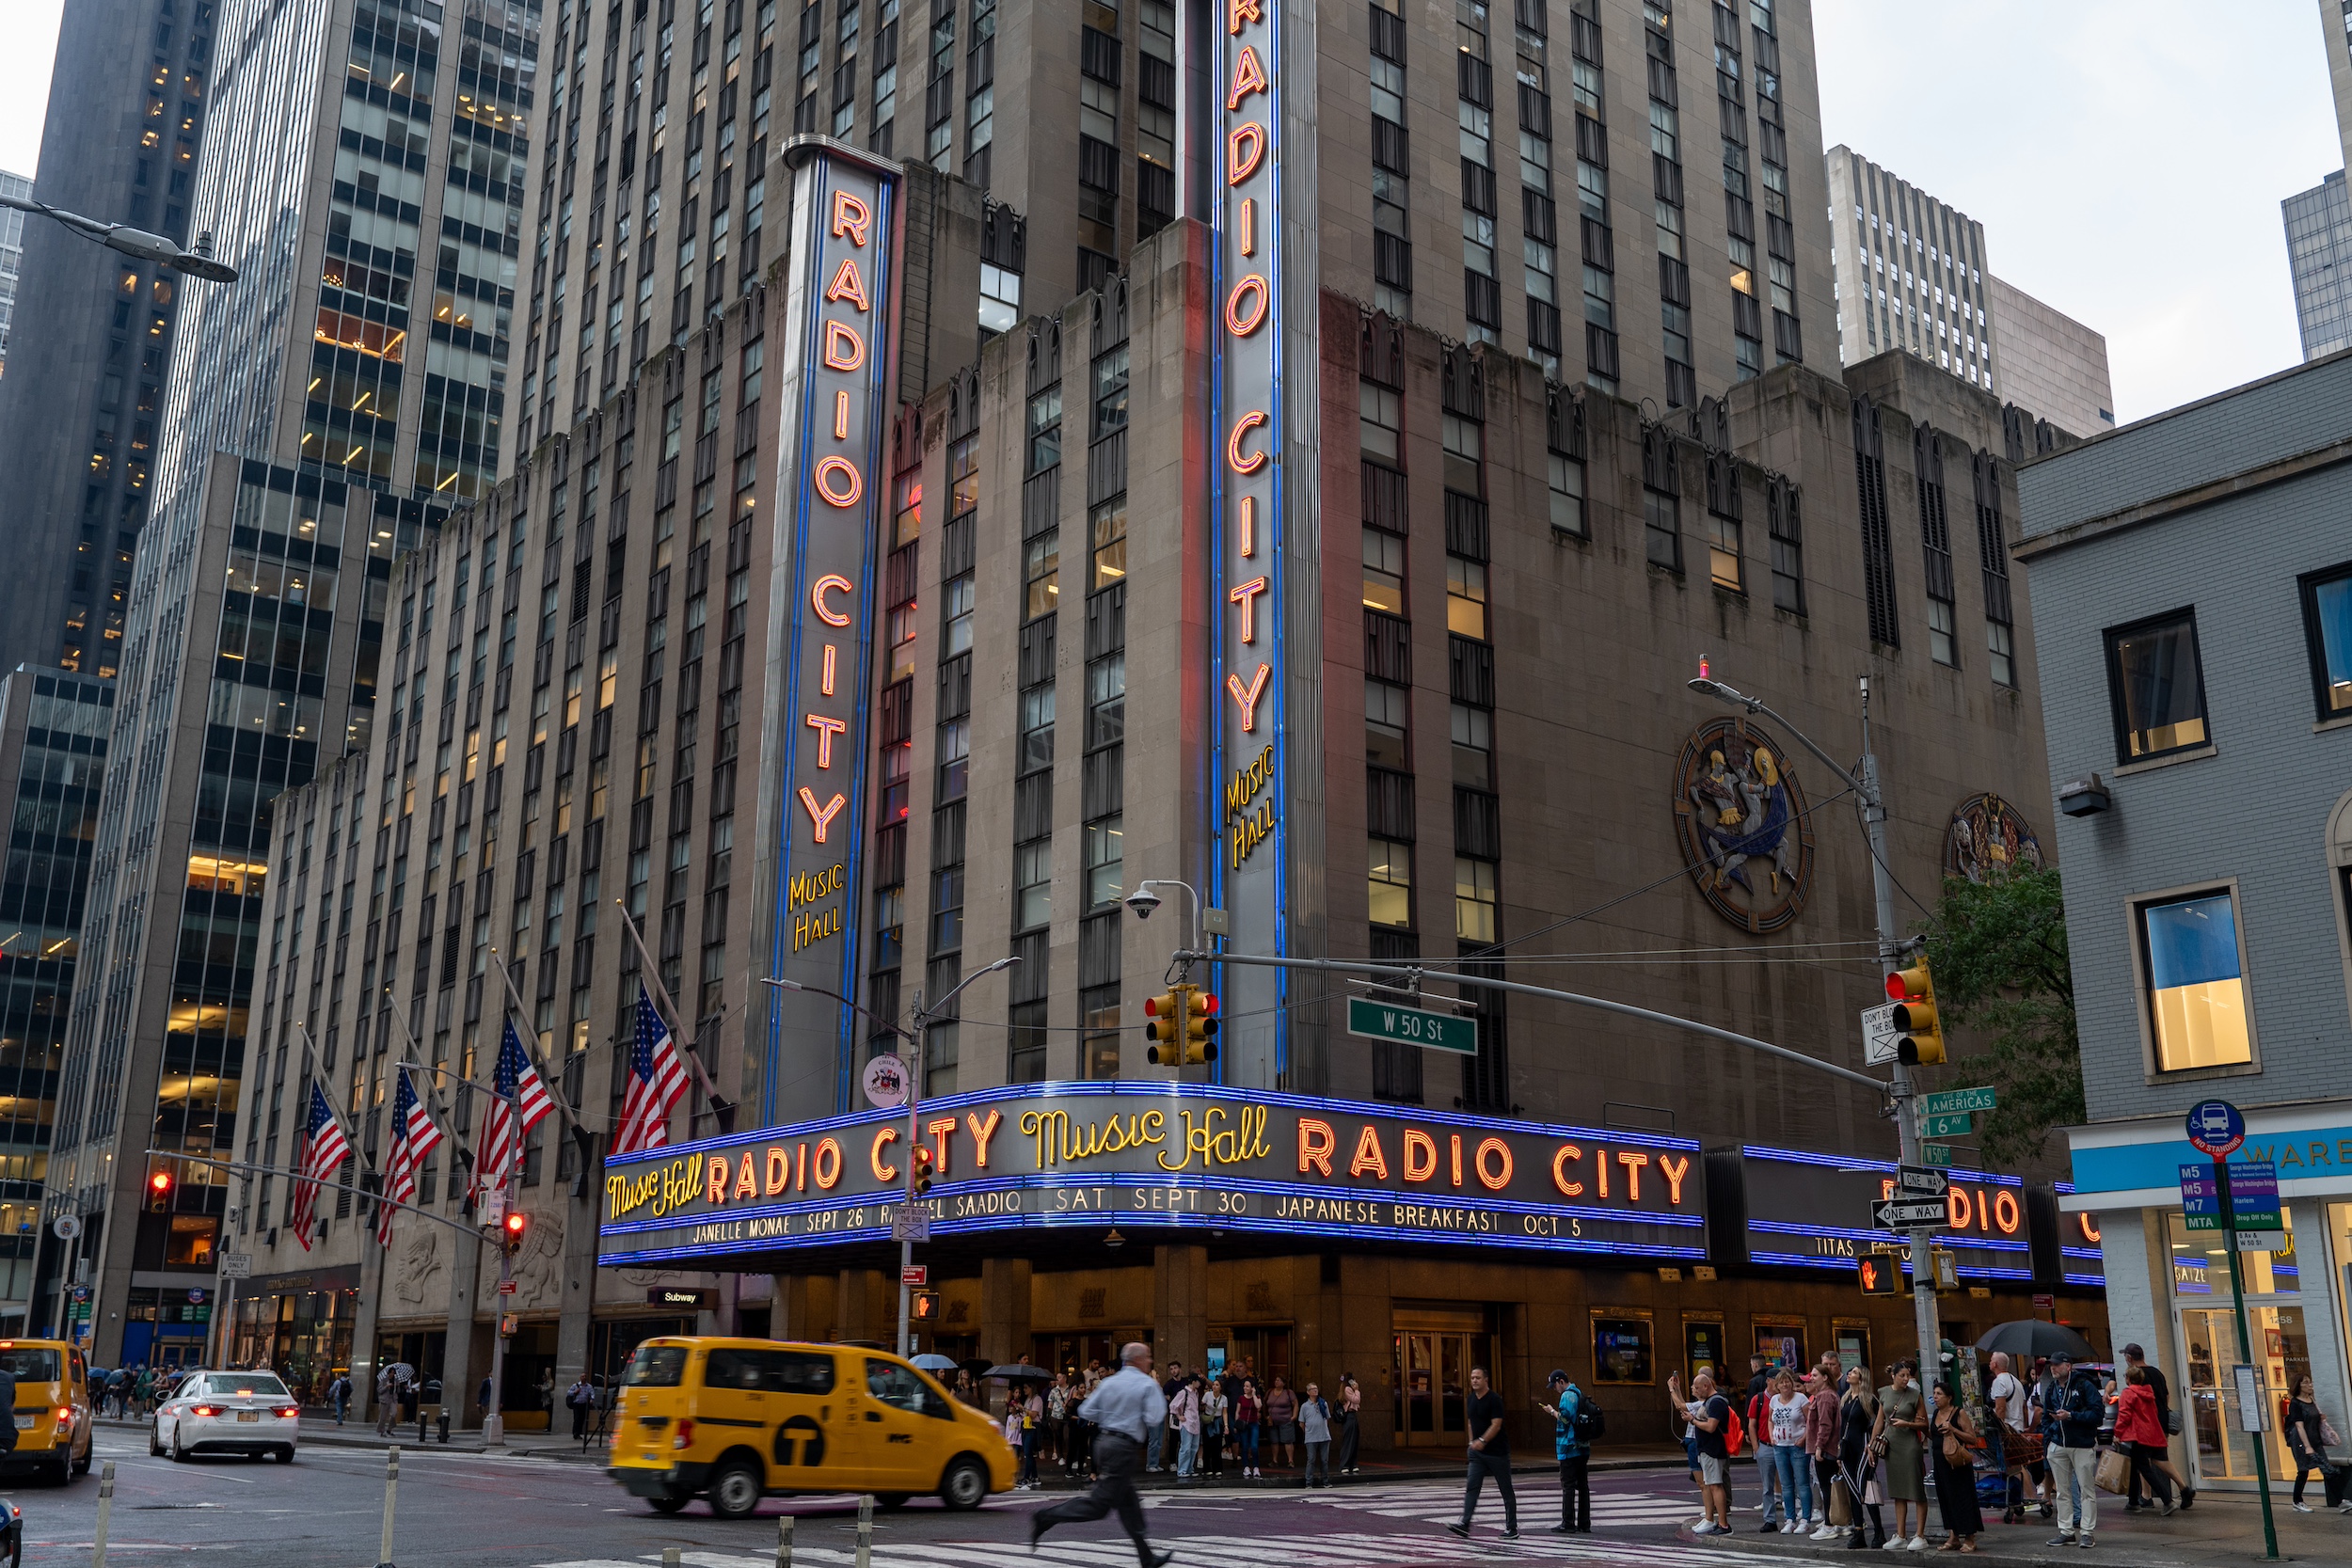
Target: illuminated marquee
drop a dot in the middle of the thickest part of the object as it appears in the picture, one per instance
(1256, 482)
(1160, 1153)
(838, 357)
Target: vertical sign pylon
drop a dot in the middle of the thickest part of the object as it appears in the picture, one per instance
(838, 363)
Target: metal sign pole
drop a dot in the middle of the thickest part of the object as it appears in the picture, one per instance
(2245, 1349)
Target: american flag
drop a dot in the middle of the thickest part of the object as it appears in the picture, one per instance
(415, 1134)
(323, 1150)
(657, 1076)
(515, 1084)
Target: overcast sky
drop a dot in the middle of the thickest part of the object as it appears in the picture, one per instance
(2126, 157)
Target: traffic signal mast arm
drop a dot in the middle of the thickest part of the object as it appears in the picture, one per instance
(245, 1168)
(1573, 998)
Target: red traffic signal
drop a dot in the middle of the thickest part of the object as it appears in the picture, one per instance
(158, 1191)
(513, 1226)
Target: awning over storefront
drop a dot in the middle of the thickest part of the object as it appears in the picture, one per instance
(1161, 1156)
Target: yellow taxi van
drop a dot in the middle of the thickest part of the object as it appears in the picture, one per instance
(54, 1432)
(736, 1421)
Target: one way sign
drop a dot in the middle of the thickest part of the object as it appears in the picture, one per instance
(1901, 1215)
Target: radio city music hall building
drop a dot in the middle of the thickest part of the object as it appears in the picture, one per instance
(1382, 633)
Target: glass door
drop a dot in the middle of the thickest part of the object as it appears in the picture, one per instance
(1433, 1368)
(2281, 1356)
(1416, 1391)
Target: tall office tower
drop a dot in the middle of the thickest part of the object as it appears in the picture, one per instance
(363, 173)
(1912, 275)
(12, 254)
(2319, 220)
(129, 103)
(53, 744)
(650, 185)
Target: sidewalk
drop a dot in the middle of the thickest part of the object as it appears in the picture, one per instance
(2223, 1531)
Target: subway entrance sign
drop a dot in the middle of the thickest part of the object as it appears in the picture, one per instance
(1372, 1019)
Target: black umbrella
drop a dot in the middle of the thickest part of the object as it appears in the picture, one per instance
(2030, 1339)
(1019, 1371)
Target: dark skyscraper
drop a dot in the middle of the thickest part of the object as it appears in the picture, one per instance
(93, 328)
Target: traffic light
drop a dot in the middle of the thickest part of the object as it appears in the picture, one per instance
(919, 1174)
(1913, 991)
(925, 1306)
(158, 1192)
(1167, 1028)
(1882, 1273)
(1199, 1028)
(511, 1230)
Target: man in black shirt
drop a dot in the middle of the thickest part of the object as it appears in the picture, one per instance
(1490, 1455)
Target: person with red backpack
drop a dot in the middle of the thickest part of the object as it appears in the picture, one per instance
(1715, 1429)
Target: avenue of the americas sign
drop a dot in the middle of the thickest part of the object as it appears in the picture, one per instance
(1166, 1154)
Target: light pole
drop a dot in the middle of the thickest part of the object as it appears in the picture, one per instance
(920, 1019)
(160, 248)
(1143, 901)
(1891, 948)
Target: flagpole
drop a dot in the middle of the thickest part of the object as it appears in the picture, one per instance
(719, 1106)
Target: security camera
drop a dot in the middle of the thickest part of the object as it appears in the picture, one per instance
(1143, 901)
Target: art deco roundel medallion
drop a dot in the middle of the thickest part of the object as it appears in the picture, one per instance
(1740, 817)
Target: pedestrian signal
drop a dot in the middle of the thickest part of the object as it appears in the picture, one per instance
(926, 1308)
(1881, 1273)
(1913, 991)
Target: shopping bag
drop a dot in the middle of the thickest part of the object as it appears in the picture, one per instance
(1840, 1508)
(2115, 1472)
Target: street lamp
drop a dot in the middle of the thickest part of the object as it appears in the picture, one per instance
(1891, 949)
(920, 1020)
(160, 248)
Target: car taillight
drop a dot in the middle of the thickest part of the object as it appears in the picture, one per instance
(290, 1410)
(205, 1410)
(65, 1415)
(685, 1436)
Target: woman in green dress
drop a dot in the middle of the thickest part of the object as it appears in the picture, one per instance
(1902, 1419)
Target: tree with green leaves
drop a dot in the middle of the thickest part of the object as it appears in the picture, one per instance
(1998, 949)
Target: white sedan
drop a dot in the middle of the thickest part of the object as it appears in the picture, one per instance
(247, 1413)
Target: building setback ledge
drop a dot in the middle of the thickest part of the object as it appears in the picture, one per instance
(2130, 768)
(2181, 501)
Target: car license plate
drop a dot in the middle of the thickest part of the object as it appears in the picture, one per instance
(248, 1414)
(24, 1423)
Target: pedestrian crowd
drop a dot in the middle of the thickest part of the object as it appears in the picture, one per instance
(1214, 1425)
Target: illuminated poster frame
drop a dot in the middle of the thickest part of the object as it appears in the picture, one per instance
(839, 359)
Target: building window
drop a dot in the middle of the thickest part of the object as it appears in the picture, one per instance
(1662, 529)
(1042, 573)
(1384, 571)
(2196, 984)
(1464, 446)
(1473, 899)
(1723, 552)
(2328, 622)
(1474, 747)
(1787, 531)
(1037, 728)
(1379, 417)
(1391, 882)
(1465, 596)
(1386, 721)
(2157, 687)
(1033, 884)
(956, 617)
(1045, 429)
(1109, 523)
(1100, 1004)
(1106, 863)
(1567, 494)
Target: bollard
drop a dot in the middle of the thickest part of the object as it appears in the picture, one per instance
(392, 1490)
(784, 1542)
(669, 1557)
(106, 1511)
(865, 1531)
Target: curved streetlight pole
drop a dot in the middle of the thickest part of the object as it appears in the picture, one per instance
(138, 243)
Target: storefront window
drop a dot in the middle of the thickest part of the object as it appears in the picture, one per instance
(1781, 1342)
(1854, 1343)
(1621, 1350)
(2200, 1268)
(1701, 1347)
(2280, 1342)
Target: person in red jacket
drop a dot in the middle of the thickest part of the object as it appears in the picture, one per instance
(2140, 1433)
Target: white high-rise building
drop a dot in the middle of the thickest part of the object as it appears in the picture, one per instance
(1912, 275)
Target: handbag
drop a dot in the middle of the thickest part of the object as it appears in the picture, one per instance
(1840, 1508)
(2115, 1472)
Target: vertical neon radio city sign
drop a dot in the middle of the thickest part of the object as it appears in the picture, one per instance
(1249, 487)
(839, 356)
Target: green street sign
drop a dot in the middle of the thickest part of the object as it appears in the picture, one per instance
(1959, 1099)
(1432, 1030)
(1946, 1124)
(1939, 1155)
